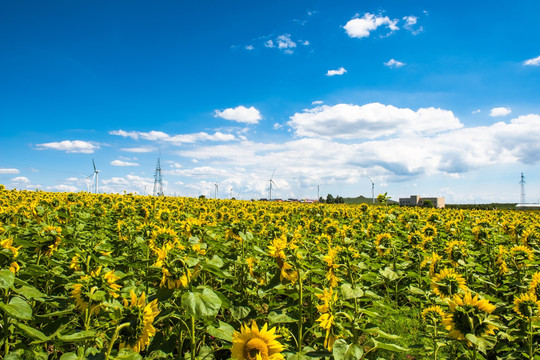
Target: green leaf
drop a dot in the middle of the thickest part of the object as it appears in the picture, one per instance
(13, 356)
(32, 333)
(17, 308)
(128, 354)
(390, 347)
(277, 317)
(69, 356)
(30, 292)
(380, 333)
(349, 292)
(240, 312)
(78, 336)
(389, 274)
(344, 351)
(216, 261)
(201, 304)
(7, 278)
(223, 332)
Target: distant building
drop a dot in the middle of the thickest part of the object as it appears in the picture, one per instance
(416, 200)
(528, 207)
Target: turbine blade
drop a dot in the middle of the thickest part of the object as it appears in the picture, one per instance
(94, 164)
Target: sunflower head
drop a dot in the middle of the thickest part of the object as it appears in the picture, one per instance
(140, 317)
(254, 344)
(534, 286)
(469, 315)
(434, 314)
(383, 243)
(527, 306)
(447, 283)
(520, 256)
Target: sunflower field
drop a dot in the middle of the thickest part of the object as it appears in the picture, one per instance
(88, 276)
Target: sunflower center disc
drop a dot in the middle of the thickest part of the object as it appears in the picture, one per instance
(256, 347)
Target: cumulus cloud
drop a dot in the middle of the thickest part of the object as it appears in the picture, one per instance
(240, 114)
(370, 121)
(123, 163)
(392, 63)
(410, 24)
(21, 179)
(399, 157)
(500, 111)
(285, 43)
(129, 183)
(62, 188)
(69, 146)
(339, 71)
(362, 27)
(140, 150)
(131, 134)
(532, 62)
(175, 139)
(9, 171)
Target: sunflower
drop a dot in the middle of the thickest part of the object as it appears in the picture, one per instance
(520, 255)
(383, 243)
(93, 287)
(534, 286)
(469, 316)
(526, 305)
(163, 237)
(254, 344)
(434, 314)
(327, 322)
(500, 260)
(51, 239)
(434, 263)
(447, 283)
(456, 250)
(140, 316)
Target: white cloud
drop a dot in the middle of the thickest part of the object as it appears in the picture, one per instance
(130, 183)
(410, 22)
(249, 47)
(62, 188)
(240, 114)
(370, 121)
(392, 63)
(9, 171)
(69, 146)
(532, 62)
(499, 111)
(132, 134)
(403, 156)
(141, 149)
(362, 27)
(21, 179)
(284, 42)
(477, 111)
(72, 179)
(317, 102)
(123, 163)
(339, 71)
(175, 139)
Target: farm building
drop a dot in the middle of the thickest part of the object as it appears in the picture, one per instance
(417, 200)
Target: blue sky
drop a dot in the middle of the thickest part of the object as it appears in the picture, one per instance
(437, 98)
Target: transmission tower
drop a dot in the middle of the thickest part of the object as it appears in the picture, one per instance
(522, 183)
(158, 180)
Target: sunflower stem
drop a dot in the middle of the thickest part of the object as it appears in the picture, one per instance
(113, 339)
(300, 305)
(530, 338)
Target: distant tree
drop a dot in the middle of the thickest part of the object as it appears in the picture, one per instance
(321, 200)
(427, 204)
(329, 199)
(202, 197)
(339, 200)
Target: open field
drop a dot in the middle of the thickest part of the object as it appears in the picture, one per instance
(89, 276)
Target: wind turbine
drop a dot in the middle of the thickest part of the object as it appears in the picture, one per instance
(271, 182)
(216, 188)
(95, 179)
(372, 190)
